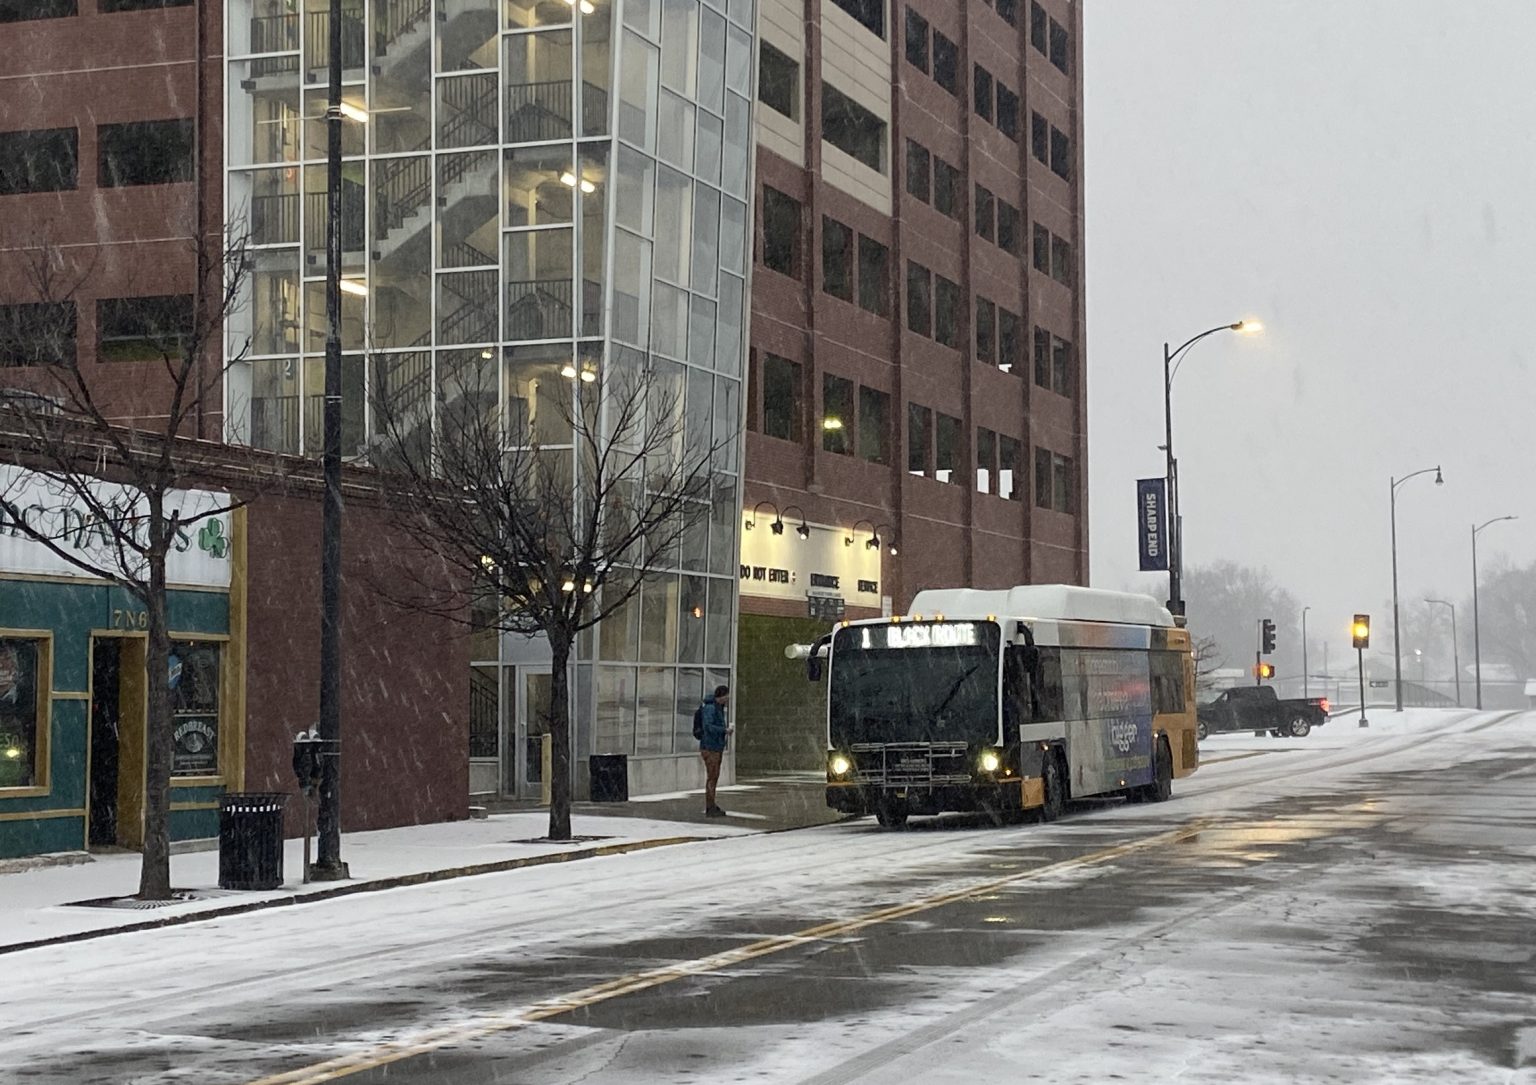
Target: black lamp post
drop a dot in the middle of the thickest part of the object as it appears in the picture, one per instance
(1477, 648)
(1397, 648)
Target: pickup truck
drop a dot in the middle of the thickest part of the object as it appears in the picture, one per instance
(1256, 708)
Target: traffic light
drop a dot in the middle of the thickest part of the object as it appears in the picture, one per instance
(1266, 670)
(1361, 631)
(1269, 636)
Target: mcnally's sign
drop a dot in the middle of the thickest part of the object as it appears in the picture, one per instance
(199, 555)
(823, 566)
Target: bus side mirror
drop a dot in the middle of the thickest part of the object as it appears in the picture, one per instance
(813, 669)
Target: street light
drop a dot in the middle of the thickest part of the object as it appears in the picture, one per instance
(1455, 646)
(1397, 649)
(1171, 361)
(1306, 685)
(1477, 648)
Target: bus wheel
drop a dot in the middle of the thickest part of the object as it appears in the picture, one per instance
(1161, 787)
(1200, 732)
(1055, 781)
(891, 815)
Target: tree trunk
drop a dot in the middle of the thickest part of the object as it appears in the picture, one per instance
(559, 739)
(155, 874)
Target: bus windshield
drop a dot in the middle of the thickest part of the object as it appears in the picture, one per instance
(930, 682)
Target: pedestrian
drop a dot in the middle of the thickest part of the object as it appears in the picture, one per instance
(713, 731)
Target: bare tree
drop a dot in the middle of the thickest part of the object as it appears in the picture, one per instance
(550, 514)
(1208, 659)
(101, 480)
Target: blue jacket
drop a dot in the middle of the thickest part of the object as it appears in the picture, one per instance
(715, 726)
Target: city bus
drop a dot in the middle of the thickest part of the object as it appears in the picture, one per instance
(1005, 702)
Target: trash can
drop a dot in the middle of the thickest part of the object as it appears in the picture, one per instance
(610, 777)
(251, 841)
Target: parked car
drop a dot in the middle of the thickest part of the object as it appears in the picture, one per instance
(1256, 708)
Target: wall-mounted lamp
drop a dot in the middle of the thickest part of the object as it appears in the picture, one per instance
(854, 530)
(804, 530)
(778, 524)
(890, 534)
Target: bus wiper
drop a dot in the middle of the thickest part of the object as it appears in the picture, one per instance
(954, 689)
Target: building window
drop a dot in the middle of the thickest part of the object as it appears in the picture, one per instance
(778, 82)
(917, 41)
(1008, 227)
(946, 189)
(1054, 363)
(1007, 340)
(1061, 260)
(986, 460)
(1054, 481)
(874, 277)
(143, 329)
(946, 63)
(1009, 464)
(946, 458)
(1007, 112)
(1009, 10)
(781, 398)
(919, 440)
(918, 170)
(781, 233)
(1039, 138)
(919, 299)
(144, 153)
(982, 93)
(852, 129)
(986, 331)
(986, 213)
(874, 425)
(947, 320)
(1061, 154)
(836, 259)
(20, 11)
(836, 415)
(1042, 357)
(109, 7)
(46, 160)
(1061, 46)
(37, 333)
(869, 14)
(23, 711)
(195, 708)
(1039, 33)
(1042, 249)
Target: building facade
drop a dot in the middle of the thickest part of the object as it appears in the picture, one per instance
(532, 190)
(915, 405)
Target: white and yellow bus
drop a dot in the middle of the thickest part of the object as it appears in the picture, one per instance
(1006, 701)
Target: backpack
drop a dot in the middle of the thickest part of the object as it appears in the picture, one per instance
(698, 722)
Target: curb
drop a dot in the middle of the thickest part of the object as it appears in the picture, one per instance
(397, 882)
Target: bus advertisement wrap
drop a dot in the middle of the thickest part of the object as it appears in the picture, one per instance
(1112, 744)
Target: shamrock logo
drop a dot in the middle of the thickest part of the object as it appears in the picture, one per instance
(212, 540)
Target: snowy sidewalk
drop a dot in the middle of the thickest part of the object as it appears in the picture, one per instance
(44, 903)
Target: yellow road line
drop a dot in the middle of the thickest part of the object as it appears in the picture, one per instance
(506, 1021)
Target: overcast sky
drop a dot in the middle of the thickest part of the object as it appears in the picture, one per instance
(1360, 176)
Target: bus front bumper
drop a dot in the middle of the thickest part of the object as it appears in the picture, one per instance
(857, 798)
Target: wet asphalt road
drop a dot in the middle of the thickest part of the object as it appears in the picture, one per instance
(1357, 911)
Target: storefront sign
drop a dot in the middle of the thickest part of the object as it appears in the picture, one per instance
(822, 564)
(199, 554)
(197, 746)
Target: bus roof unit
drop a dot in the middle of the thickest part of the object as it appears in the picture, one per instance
(1051, 602)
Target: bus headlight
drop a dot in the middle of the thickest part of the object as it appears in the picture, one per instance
(839, 765)
(990, 761)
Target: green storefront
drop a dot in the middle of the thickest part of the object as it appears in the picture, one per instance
(73, 691)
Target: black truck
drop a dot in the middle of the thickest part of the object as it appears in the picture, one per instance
(1256, 708)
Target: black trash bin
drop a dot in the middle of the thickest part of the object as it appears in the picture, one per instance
(610, 777)
(251, 841)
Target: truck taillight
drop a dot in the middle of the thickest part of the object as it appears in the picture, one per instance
(1325, 704)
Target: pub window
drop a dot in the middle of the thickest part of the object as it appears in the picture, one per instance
(852, 129)
(836, 415)
(986, 460)
(778, 81)
(946, 459)
(1007, 112)
(45, 160)
(1007, 340)
(1042, 249)
(836, 259)
(195, 676)
(144, 329)
(874, 425)
(781, 398)
(947, 317)
(946, 189)
(1061, 46)
(144, 153)
(37, 333)
(781, 232)
(918, 169)
(1008, 227)
(1061, 260)
(24, 671)
(917, 41)
(981, 96)
(986, 331)
(986, 214)
(874, 277)
(869, 14)
(919, 299)
(20, 11)
(1009, 467)
(946, 63)
(1039, 138)
(919, 440)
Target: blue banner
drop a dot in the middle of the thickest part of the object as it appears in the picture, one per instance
(1152, 523)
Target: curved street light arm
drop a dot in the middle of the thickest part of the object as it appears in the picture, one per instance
(1175, 356)
(1399, 481)
(1495, 520)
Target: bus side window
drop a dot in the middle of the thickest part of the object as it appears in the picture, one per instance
(1047, 696)
(1017, 699)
